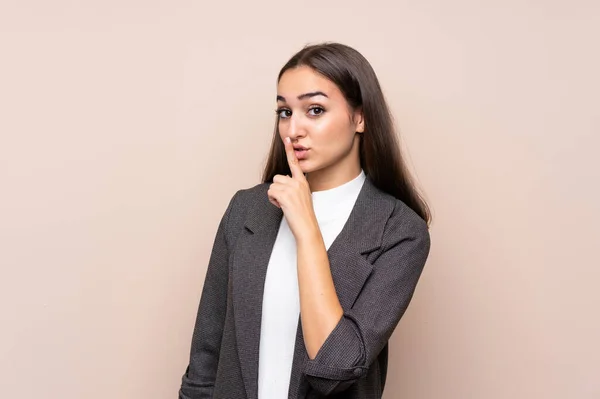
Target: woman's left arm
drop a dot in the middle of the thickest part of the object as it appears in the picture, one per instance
(364, 329)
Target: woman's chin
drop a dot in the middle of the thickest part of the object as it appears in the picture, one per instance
(305, 166)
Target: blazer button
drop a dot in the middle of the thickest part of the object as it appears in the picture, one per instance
(357, 372)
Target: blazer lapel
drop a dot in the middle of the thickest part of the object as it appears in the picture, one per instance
(362, 234)
(250, 261)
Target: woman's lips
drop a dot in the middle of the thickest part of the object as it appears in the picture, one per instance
(301, 153)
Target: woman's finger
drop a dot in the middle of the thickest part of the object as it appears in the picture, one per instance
(292, 160)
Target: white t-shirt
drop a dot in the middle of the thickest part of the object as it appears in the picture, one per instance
(281, 301)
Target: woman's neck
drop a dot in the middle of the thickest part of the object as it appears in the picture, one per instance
(326, 179)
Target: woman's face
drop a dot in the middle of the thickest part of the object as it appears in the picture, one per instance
(313, 112)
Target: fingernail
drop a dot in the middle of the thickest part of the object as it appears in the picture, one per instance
(289, 140)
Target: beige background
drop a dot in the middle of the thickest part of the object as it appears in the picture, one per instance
(127, 125)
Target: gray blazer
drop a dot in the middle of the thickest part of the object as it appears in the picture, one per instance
(376, 261)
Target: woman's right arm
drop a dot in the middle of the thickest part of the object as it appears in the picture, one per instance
(199, 378)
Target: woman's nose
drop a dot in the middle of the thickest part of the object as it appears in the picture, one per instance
(295, 128)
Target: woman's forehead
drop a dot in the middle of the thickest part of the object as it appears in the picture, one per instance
(299, 81)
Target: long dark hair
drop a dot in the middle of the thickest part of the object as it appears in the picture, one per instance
(380, 155)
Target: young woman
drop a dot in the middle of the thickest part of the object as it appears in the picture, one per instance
(312, 270)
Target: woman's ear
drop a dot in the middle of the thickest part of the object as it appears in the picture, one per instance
(359, 120)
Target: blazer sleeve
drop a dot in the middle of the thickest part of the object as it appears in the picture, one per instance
(198, 380)
(364, 330)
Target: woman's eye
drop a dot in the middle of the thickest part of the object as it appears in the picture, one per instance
(284, 113)
(316, 111)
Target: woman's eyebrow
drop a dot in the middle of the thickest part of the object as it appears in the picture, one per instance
(305, 95)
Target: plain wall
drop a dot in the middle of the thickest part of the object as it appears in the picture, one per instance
(126, 126)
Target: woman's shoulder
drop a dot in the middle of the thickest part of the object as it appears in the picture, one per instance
(401, 216)
(247, 198)
(405, 224)
(249, 195)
